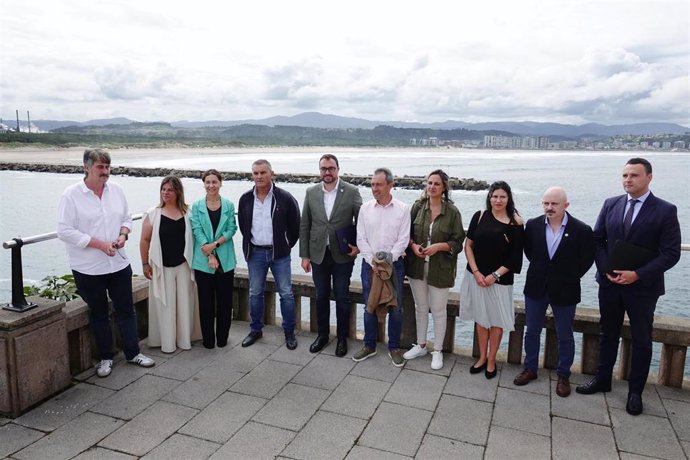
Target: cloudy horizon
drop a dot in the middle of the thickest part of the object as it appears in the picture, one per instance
(572, 61)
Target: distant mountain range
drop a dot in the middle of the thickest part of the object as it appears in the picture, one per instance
(320, 120)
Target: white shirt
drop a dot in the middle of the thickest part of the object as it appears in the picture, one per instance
(553, 240)
(383, 228)
(638, 205)
(262, 222)
(82, 216)
(329, 198)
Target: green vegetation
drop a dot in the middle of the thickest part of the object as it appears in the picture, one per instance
(61, 288)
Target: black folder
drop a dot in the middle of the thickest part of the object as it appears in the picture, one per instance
(346, 235)
(628, 256)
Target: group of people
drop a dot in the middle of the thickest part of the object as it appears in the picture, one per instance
(188, 255)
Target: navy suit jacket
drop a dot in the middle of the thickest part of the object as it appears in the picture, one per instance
(559, 278)
(656, 228)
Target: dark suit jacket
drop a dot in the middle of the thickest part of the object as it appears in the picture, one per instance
(316, 229)
(656, 228)
(559, 278)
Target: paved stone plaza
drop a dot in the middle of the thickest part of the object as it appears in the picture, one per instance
(268, 402)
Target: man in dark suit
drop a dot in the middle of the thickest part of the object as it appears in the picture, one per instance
(329, 206)
(651, 225)
(560, 250)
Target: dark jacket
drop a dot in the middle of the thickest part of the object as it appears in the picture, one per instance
(285, 212)
(558, 278)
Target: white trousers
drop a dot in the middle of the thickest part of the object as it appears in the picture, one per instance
(171, 320)
(428, 298)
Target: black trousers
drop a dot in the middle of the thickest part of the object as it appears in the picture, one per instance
(215, 306)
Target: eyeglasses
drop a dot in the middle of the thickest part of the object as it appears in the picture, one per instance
(330, 169)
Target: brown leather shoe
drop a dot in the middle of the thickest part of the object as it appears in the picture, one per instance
(563, 387)
(524, 377)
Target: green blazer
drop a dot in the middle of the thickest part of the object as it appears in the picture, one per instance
(316, 229)
(447, 228)
(203, 233)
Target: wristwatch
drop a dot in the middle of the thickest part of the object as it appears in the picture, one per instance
(125, 235)
(217, 244)
(496, 276)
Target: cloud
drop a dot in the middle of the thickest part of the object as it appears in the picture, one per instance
(124, 81)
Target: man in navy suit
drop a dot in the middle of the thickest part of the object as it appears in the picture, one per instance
(560, 250)
(651, 224)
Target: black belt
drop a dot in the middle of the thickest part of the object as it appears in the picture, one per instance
(267, 248)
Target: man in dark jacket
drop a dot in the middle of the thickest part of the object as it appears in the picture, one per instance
(560, 250)
(269, 222)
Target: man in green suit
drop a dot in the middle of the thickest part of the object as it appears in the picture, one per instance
(329, 207)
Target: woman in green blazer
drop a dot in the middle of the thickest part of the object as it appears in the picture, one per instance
(436, 239)
(213, 224)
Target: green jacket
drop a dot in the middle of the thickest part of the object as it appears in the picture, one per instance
(447, 228)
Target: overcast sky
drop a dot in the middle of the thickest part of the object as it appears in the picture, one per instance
(568, 61)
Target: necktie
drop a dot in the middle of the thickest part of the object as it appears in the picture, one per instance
(627, 221)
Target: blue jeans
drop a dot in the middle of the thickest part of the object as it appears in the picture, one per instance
(95, 289)
(322, 274)
(394, 317)
(563, 315)
(260, 260)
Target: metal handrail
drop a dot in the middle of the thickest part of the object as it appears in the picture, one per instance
(19, 303)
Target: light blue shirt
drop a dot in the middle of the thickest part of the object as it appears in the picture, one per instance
(638, 206)
(262, 221)
(554, 239)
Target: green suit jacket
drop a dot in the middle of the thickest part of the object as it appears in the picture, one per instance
(203, 233)
(316, 229)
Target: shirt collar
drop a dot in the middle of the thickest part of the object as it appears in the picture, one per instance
(323, 187)
(640, 199)
(563, 224)
(270, 191)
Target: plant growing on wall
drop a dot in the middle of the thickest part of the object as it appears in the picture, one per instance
(61, 288)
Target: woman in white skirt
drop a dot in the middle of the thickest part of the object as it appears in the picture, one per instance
(493, 249)
(166, 247)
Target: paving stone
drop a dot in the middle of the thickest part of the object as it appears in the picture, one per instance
(222, 418)
(183, 366)
(255, 441)
(15, 437)
(462, 419)
(417, 389)
(378, 367)
(629, 456)
(577, 440)
(540, 386)
(396, 428)
(423, 364)
(245, 359)
(98, 453)
(671, 393)
(148, 429)
(508, 443)
(435, 448)
(209, 383)
(618, 398)
(64, 407)
(586, 408)
(300, 356)
(266, 379)
(71, 438)
(361, 452)
(292, 407)
(340, 431)
(4, 421)
(130, 401)
(180, 446)
(324, 372)
(522, 411)
(686, 447)
(123, 374)
(645, 435)
(679, 415)
(357, 397)
(473, 386)
(86, 375)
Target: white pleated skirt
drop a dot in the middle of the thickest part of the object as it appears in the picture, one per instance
(488, 307)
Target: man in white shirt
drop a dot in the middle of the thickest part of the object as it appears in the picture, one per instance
(383, 225)
(94, 223)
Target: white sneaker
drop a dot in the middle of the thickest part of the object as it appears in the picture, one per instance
(436, 360)
(415, 352)
(142, 360)
(104, 368)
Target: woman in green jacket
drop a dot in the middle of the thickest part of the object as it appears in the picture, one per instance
(436, 239)
(213, 224)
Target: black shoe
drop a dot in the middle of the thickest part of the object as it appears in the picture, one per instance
(341, 348)
(634, 406)
(290, 341)
(491, 374)
(251, 338)
(318, 344)
(477, 370)
(594, 386)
